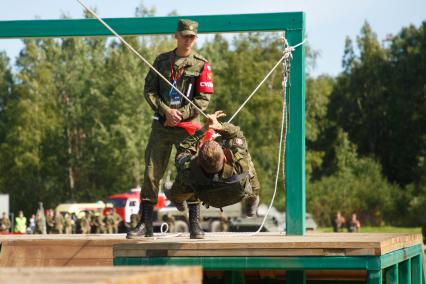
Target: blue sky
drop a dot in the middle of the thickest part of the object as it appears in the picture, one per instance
(328, 21)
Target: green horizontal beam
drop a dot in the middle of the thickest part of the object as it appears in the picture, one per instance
(244, 263)
(150, 25)
(400, 255)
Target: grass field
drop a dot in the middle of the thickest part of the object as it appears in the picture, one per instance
(384, 229)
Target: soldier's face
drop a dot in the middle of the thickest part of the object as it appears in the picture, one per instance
(185, 42)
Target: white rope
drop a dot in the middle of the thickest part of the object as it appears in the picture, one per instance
(287, 53)
(282, 145)
(140, 56)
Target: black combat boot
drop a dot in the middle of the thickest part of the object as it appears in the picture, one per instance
(144, 227)
(251, 205)
(194, 221)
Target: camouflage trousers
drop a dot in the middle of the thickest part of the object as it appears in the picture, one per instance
(157, 155)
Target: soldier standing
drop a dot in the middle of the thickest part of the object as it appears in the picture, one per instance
(68, 224)
(85, 223)
(117, 220)
(110, 223)
(191, 74)
(99, 223)
(59, 223)
(4, 223)
(39, 222)
(50, 221)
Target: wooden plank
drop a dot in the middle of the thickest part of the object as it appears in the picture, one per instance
(58, 250)
(272, 244)
(111, 275)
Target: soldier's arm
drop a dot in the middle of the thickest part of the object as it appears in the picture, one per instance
(230, 131)
(188, 148)
(236, 142)
(203, 90)
(152, 86)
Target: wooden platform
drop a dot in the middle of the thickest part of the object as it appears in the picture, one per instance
(99, 275)
(357, 257)
(270, 244)
(58, 250)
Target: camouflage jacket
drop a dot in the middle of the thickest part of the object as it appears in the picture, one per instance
(235, 149)
(156, 90)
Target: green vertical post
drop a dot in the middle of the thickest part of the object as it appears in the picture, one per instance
(374, 277)
(295, 151)
(392, 274)
(416, 270)
(405, 272)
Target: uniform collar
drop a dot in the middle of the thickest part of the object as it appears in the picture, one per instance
(189, 61)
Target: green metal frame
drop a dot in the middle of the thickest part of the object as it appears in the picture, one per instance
(292, 23)
(403, 266)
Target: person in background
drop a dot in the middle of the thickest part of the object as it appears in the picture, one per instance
(4, 223)
(20, 223)
(338, 222)
(354, 224)
(31, 225)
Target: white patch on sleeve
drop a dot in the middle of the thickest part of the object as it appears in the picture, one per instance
(238, 141)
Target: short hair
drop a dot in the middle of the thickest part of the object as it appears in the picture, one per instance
(211, 157)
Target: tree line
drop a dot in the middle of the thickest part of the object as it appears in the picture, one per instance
(74, 123)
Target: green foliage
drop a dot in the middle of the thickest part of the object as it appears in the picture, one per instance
(356, 187)
(379, 100)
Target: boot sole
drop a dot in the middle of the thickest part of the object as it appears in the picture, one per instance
(138, 237)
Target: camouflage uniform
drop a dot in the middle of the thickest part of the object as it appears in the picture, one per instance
(192, 76)
(238, 161)
(40, 223)
(156, 92)
(5, 224)
(50, 222)
(59, 223)
(110, 223)
(100, 224)
(117, 219)
(85, 224)
(68, 224)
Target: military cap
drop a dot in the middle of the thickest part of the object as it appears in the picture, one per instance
(187, 27)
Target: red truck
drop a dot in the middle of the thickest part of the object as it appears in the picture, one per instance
(127, 203)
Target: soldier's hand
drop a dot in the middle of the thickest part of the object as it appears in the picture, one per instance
(212, 120)
(173, 117)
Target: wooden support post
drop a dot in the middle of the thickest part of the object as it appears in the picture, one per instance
(374, 277)
(392, 274)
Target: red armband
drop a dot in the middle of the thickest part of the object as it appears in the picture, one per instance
(205, 81)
